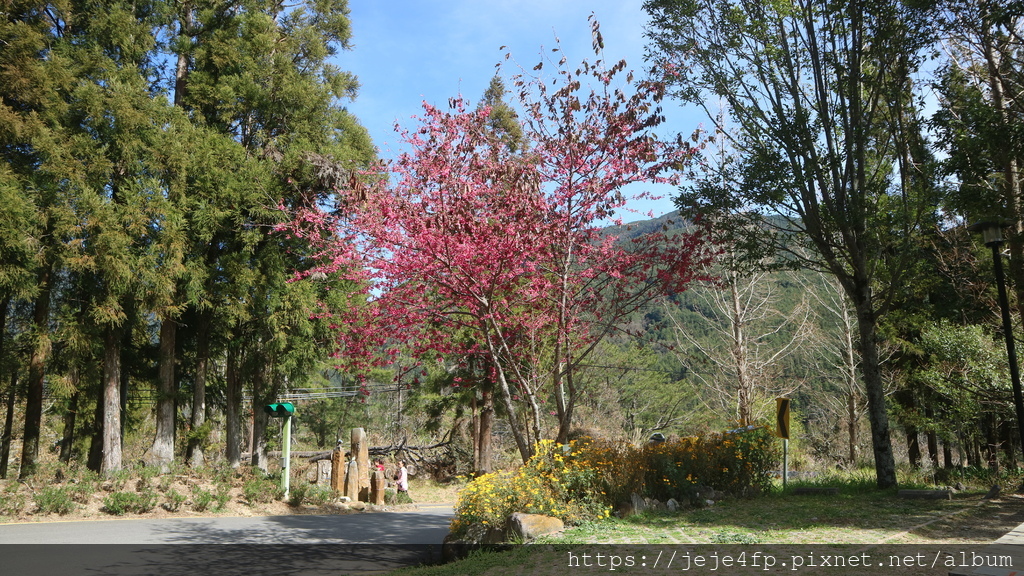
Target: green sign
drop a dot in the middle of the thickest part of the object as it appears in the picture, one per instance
(282, 410)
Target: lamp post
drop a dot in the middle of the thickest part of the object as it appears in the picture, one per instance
(992, 234)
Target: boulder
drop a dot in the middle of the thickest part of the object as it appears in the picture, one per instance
(477, 536)
(706, 493)
(672, 505)
(655, 504)
(529, 526)
(638, 502)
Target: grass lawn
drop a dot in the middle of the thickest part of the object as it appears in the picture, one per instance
(859, 520)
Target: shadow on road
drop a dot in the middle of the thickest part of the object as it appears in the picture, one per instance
(220, 559)
(299, 545)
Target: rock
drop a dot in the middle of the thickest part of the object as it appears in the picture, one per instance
(993, 492)
(706, 493)
(638, 503)
(477, 536)
(529, 526)
(623, 510)
(672, 505)
(960, 486)
(357, 505)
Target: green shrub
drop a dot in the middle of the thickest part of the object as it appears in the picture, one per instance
(305, 493)
(55, 500)
(146, 476)
(581, 481)
(222, 496)
(261, 490)
(174, 500)
(297, 494)
(120, 503)
(734, 463)
(320, 495)
(82, 491)
(202, 499)
(11, 503)
(119, 478)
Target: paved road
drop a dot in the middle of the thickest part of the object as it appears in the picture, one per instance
(306, 545)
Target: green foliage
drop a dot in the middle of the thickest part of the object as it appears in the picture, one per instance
(203, 500)
(312, 494)
(82, 490)
(581, 481)
(730, 462)
(55, 500)
(392, 496)
(146, 475)
(262, 489)
(174, 500)
(11, 503)
(121, 503)
(200, 434)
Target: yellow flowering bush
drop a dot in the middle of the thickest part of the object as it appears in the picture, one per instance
(728, 462)
(559, 480)
(584, 479)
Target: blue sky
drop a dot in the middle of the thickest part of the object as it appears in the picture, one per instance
(405, 52)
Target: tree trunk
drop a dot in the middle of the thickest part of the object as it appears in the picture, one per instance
(744, 387)
(161, 454)
(881, 442)
(67, 441)
(111, 402)
(1006, 431)
(259, 438)
(124, 381)
(233, 451)
(851, 426)
(992, 442)
(260, 397)
(95, 460)
(36, 375)
(933, 438)
(486, 429)
(913, 446)
(194, 453)
(5, 438)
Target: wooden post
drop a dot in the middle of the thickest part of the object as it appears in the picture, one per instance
(338, 470)
(361, 454)
(352, 480)
(377, 488)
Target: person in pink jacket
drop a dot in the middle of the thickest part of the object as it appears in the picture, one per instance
(402, 479)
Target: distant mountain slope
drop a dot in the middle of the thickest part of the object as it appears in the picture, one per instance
(668, 223)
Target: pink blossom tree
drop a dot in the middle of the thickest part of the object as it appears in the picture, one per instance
(468, 236)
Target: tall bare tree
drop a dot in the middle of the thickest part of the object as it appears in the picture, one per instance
(829, 142)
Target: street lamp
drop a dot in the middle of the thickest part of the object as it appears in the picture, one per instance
(992, 234)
